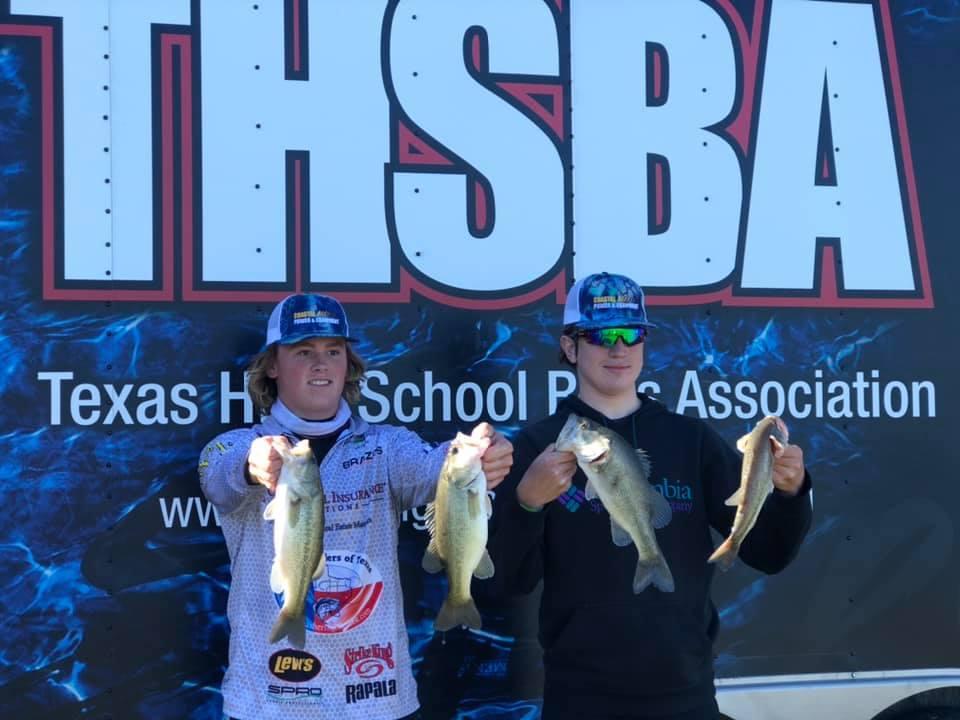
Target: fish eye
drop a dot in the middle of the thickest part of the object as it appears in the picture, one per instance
(454, 450)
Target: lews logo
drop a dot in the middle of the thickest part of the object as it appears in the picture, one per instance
(367, 690)
(679, 495)
(294, 666)
(368, 661)
(764, 175)
(344, 596)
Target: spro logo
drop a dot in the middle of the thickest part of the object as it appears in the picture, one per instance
(769, 152)
(294, 666)
(291, 692)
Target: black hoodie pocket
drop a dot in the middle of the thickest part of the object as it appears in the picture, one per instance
(646, 647)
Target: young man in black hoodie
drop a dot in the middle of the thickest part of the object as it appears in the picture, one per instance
(610, 653)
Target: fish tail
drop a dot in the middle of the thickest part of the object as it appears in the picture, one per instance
(655, 571)
(724, 555)
(453, 614)
(289, 626)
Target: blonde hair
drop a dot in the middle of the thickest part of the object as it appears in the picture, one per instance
(263, 389)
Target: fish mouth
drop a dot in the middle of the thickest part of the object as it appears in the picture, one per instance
(598, 459)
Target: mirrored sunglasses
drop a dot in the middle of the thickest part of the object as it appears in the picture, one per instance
(608, 336)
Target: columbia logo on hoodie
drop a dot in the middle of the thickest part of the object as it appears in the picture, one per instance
(679, 495)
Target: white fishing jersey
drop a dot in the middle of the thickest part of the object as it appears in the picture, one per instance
(356, 661)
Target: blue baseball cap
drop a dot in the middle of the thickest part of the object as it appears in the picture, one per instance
(302, 316)
(604, 300)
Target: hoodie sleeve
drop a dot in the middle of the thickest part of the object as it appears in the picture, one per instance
(222, 470)
(515, 542)
(782, 524)
(414, 468)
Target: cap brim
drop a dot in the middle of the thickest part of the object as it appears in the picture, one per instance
(297, 337)
(610, 324)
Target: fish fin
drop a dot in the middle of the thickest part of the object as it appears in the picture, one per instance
(432, 562)
(734, 500)
(621, 538)
(644, 461)
(293, 512)
(589, 491)
(321, 567)
(655, 571)
(430, 518)
(484, 567)
(451, 615)
(724, 555)
(743, 443)
(290, 627)
(276, 578)
(661, 511)
(489, 507)
(270, 511)
(474, 506)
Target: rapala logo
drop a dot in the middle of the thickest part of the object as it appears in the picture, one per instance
(361, 459)
(367, 690)
(763, 160)
(368, 661)
(294, 666)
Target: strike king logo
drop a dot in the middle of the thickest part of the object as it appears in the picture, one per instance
(368, 661)
(729, 210)
(343, 597)
(294, 666)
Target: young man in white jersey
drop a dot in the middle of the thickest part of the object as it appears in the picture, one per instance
(356, 662)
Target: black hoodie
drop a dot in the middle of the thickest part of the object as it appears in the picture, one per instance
(606, 650)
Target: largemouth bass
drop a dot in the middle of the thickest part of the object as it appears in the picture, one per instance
(457, 520)
(759, 448)
(297, 514)
(619, 475)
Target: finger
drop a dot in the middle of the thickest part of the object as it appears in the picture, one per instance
(500, 449)
(279, 442)
(483, 430)
(497, 461)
